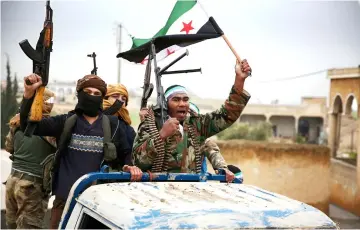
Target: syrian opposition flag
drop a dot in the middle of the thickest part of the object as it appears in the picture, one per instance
(186, 25)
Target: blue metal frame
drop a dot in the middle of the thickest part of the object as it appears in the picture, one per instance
(163, 177)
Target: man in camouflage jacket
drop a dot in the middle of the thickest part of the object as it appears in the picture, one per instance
(176, 147)
(209, 149)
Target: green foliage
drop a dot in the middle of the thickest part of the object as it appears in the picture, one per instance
(9, 105)
(354, 114)
(259, 132)
(300, 139)
(353, 155)
(15, 87)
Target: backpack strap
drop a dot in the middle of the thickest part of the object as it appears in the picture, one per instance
(109, 147)
(51, 164)
(66, 133)
(106, 129)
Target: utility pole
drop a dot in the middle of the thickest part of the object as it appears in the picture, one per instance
(119, 46)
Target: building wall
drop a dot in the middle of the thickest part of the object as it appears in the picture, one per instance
(285, 126)
(309, 110)
(344, 88)
(301, 172)
(313, 100)
(252, 119)
(344, 190)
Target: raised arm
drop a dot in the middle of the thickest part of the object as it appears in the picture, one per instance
(51, 126)
(210, 124)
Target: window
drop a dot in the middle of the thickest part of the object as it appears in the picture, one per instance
(88, 222)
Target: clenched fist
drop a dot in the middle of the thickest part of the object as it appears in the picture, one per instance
(169, 128)
(243, 69)
(29, 89)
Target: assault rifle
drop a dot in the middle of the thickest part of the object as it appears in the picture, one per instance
(93, 56)
(41, 64)
(148, 87)
(160, 109)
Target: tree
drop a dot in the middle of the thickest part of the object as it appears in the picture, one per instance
(258, 132)
(9, 105)
(16, 87)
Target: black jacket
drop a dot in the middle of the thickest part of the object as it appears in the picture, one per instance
(53, 126)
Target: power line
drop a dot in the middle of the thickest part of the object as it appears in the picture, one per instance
(292, 78)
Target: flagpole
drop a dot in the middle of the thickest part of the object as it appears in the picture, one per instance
(233, 50)
(231, 47)
(223, 35)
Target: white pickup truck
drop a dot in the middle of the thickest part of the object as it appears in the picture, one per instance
(182, 201)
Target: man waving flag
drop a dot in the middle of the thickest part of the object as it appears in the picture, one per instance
(186, 25)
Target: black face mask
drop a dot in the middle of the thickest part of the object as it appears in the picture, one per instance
(88, 104)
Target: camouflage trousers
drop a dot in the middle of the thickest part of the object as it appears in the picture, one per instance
(25, 202)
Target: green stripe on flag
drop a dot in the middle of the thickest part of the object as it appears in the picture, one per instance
(180, 8)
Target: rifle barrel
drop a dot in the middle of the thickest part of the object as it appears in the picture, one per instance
(182, 71)
(93, 56)
(173, 62)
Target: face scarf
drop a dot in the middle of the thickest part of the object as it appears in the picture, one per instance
(118, 89)
(88, 104)
(122, 112)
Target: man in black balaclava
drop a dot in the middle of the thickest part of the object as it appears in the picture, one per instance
(84, 150)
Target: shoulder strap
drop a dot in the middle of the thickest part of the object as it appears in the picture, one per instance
(106, 129)
(66, 133)
(110, 150)
(53, 148)
(17, 129)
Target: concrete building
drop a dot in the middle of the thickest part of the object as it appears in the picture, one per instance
(65, 92)
(306, 119)
(344, 89)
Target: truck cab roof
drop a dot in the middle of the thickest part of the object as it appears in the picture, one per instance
(155, 205)
(190, 204)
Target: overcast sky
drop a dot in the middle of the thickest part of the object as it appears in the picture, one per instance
(280, 39)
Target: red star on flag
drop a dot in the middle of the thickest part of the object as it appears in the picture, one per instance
(143, 61)
(187, 27)
(168, 52)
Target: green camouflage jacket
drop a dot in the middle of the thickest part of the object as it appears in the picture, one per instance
(182, 153)
(211, 151)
